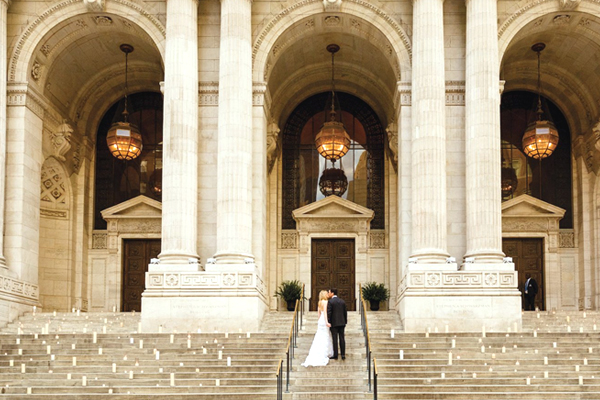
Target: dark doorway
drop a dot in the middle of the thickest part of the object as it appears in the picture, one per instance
(528, 256)
(333, 266)
(136, 257)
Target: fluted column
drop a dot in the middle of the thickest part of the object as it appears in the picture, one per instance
(234, 176)
(429, 133)
(3, 73)
(180, 135)
(482, 142)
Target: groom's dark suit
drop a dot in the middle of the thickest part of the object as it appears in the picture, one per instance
(337, 315)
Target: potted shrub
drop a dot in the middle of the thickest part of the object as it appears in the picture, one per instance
(290, 291)
(375, 293)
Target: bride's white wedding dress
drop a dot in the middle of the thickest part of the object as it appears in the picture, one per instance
(322, 346)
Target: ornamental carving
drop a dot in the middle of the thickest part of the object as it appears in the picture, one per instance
(569, 5)
(471, 279)
(289, 240)
(273, 149)
(61, 140)
(36, 70)
(490, 279)
(103, 20)
(15, 287)
(229, 280)
(53, 186)
(392, 132)
(134, 225)
(332, 5)
(566, 239)
(560, 20)
(433, 279)
(99, 240)
(171, 280)
(332, 21)
(377, 240)
(524, 225)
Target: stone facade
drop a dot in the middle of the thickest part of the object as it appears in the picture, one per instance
(232, 72)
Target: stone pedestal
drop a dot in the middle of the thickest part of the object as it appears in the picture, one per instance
(439, 296)
(208, 300)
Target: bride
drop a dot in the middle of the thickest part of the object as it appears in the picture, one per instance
(322, 346)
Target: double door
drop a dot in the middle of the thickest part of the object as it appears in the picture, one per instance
(528, 256)
(333, 267)
(136, 257)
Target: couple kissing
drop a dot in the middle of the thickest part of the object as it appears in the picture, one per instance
(332, 320)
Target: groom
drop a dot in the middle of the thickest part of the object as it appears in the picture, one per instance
(337, 315)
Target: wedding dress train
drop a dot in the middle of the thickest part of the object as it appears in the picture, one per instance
(322, 346)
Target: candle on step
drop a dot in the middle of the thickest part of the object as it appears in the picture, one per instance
(34, 308)
(84, 330)
(248, 334)
(218, 382)
(447, 329)
(577, 368)
(534, 333)
(584, 314)
(84, 381)
(581, 380)
(590, 350)
(450, 358)
(11, 363)
(483, 331)
(72, 346)
(229, 361)
(594, 327)
(435, 329)
(568, 318)
(528, 380)
(226, 335)
(52, 357)
(453, 343)
(426, 334)
(171, 338)
(114, 308)
(160, 329)
(474, 375)
(585, 361)
(114, 367)
(99, 350)
(172, 379)
(74, 361)
(538, 315)
(443, 375)
(22, 368)
(189, 343)
(503, 349)
(545, 374)
(204, 350)
(29, 390)
(141, 343)
(95, 337)
(160, 370)
(54, 313)
(554, 344)
(483, 349)
(48, 349)
(569, 328)
(220, 354)
(545, 360)
(402, 354)
(392, 333)
(493, 356)
(69, 376)
(20, 352)
(104, 329)
(78, 312)
(581, 329)
(130, 374)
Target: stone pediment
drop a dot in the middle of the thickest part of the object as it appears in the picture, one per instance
(530, 207)
(333, 207)
(138, 207)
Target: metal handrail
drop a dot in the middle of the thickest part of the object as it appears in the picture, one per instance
(293, 338)
(375, 379)
(368, 349)
(279, 377)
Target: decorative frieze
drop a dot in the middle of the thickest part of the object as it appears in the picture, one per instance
(208, 93)
(58, 214)
(18, 288)
(455, 93)
(459, 279)
(203, 281)
(21, 95)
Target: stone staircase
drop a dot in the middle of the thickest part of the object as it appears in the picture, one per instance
(340, 379)
(69, 356)
(561, 360)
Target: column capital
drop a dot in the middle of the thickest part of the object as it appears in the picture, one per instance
(249, 1)
(7, 2)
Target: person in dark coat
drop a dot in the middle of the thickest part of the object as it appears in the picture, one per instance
(337, 315)
(529, 291)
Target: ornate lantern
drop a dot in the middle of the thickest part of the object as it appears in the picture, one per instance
(333, 181)
(124, 139)
(541, 137)
(332, 141)
(509, 182)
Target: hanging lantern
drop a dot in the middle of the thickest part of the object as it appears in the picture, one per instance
(123, 138)
(332, 141)
(509, 182)
(333, 181)
(541, 137)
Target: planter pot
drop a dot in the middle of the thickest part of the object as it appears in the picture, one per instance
(374, 305)
(291, 305)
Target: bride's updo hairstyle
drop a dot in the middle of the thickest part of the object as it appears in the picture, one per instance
(323, 295)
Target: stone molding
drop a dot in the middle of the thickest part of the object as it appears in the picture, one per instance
(60, 7)
(58, 214)
(23, 95)
(455, 93)
(208, 93)
(94, 5)
(203, 281)
(459, 279)
(12, 287)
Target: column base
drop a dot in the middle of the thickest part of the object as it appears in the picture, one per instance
(464, 301)
(217, 299)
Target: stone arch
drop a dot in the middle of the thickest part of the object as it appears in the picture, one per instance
(26, 43)
(267, 37)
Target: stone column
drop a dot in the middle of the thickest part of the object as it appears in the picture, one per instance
(429, 137)
(180, 137)
(234, 176)
(3, 73)
(482, 139)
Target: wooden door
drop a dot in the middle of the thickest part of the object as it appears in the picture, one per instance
(136, 257)
(528, 256)
(333, 267)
